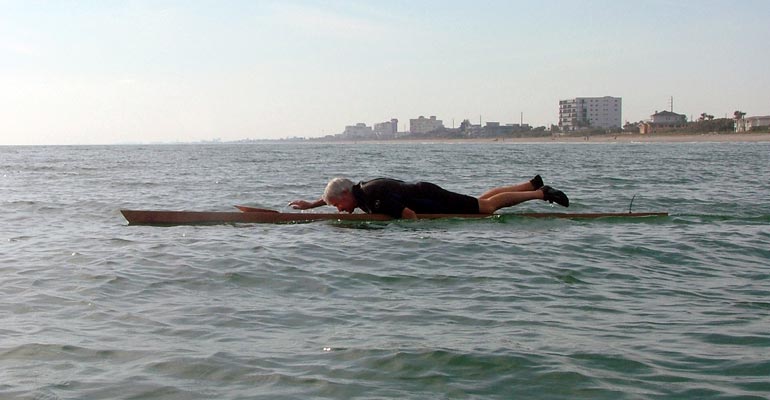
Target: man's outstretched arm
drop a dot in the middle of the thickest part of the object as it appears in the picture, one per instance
(407, 213)
(304, 205)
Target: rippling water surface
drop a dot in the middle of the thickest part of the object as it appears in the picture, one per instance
(508, 307)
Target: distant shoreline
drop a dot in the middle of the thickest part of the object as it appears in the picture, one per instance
(599, 138)
(608, 138)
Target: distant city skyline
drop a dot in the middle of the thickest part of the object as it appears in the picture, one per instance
(93, 72)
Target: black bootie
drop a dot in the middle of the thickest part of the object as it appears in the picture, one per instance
(552, 195)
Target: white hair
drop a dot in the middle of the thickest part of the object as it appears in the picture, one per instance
(335, 188)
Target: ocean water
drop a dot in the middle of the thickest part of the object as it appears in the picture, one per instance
(500, 308)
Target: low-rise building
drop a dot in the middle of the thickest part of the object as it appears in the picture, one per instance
(668, 119)
(661, 120)
(748, 123)
(494, 129)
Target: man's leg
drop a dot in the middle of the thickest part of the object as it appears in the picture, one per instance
(507, 199)
(532, 184)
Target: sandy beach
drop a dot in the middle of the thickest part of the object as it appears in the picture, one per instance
(619, 138)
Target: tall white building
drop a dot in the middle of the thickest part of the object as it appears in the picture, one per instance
(590, 112)
(425, 125)
(387, 129)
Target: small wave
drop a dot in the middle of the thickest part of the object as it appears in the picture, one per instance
(707, 218)
(762, 305)
(735, 340)
(54, 352)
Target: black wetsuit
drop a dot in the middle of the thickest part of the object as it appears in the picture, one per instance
(391, 196)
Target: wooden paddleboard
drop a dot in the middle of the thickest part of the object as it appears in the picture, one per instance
(162, 217)
(255, 209)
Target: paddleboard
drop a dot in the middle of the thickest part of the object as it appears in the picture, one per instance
(165, 217)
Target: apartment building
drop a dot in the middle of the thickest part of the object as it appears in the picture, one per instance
(590, 112)
(387, 129)
(358, 131)
(425, 125)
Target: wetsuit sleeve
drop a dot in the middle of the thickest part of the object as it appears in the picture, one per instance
(388, 205)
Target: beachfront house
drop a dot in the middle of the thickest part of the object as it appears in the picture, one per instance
(748, 124)
(662, 119)
(668, 119)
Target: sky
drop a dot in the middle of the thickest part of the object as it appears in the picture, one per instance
(109, 71)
